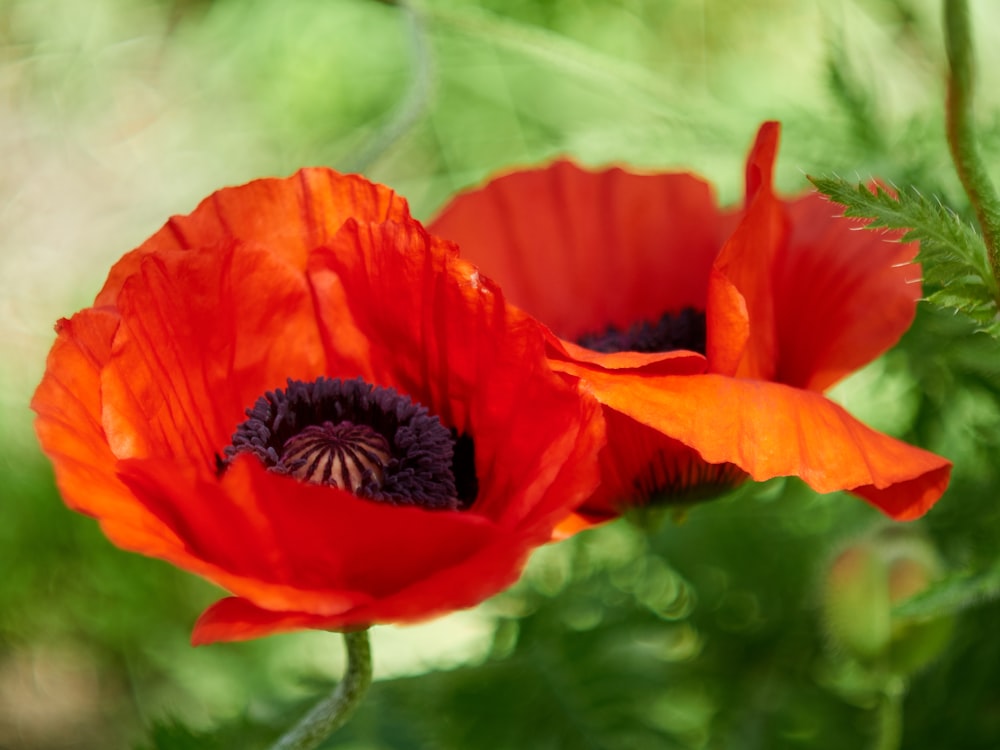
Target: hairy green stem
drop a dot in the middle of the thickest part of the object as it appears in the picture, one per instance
(890, 716)
(333, 712)
(961, 132)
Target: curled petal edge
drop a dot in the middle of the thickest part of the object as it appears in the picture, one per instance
(771, 430)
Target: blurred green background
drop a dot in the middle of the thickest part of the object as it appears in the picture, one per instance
(115, 114)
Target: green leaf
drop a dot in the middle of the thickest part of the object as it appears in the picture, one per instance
(953, 594)
(172, 734)
(854, 95)
(952, 252)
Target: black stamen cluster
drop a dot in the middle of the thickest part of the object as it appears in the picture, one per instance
(671, 481)
(673, 331)
(422, 467)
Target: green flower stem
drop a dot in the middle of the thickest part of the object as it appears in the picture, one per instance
(557, 51)
(890, 716)
(961, 132)
(418, 94)
(333, 712)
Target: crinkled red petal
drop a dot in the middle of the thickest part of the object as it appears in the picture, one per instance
(581, 250)
(290, 216)
(492, 568)
(290, 546)
(442, 334)
(770, 430)
(642, 465)
(237, 619)
(203, 335)
(70, 430)
(842, 296)
(741, 285)
(677, 362)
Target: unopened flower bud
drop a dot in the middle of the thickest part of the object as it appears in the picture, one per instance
(866, 581)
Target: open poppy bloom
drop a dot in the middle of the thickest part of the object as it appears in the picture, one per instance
(299, 394)
(708, 335)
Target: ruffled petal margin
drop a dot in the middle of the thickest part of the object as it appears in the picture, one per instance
(771, 430)
(740, 314)
(843, 296)
(293, 216)
(69, 427)
(820, 298)
(581, 250)
(489, 570)
(324, 554)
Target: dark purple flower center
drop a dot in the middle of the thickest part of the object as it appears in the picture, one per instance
(345, 455)
(673, 331)
(359, 437)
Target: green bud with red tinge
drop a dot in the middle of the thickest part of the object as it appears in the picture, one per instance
(863, 584)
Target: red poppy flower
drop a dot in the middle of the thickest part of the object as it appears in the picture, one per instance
(708, 335)
(299, 394)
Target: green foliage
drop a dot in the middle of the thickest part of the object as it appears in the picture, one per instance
(954, 594)
(173, 735)
(856, 101)
(705, 636)
(954, 257)
(615, 639)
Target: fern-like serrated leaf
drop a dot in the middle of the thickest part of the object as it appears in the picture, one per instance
(952, 253)
(954, 594)
(951, 270)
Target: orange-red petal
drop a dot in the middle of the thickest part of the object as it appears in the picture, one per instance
(289, 546)
(291, 216)
(238, 619)
(203, 334)
(821, 298)
(492, 568)
(770, 429)
(677, 362)
(741, 286)
(70, 430)
(263, 283)
(442, 334)
(843, 296)
(581, 250)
